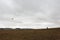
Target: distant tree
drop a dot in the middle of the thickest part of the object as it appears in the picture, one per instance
(47, 27)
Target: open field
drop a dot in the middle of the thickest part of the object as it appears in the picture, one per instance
(30, 34)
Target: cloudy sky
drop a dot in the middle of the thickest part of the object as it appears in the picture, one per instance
(29, 13)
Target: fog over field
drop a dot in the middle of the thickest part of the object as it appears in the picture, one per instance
(29, 13)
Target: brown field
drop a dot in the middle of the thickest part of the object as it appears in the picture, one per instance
(26, 34)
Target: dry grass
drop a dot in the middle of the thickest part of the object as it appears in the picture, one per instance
(45, 34)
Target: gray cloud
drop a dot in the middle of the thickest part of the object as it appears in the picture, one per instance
(30, 12)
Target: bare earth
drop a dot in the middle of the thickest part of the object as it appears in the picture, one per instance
(30, 34)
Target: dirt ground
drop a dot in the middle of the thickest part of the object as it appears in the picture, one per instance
(30, 34)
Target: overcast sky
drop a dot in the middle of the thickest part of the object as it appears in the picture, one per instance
(29, 13)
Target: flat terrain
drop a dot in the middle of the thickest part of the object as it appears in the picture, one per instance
(30, 34)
